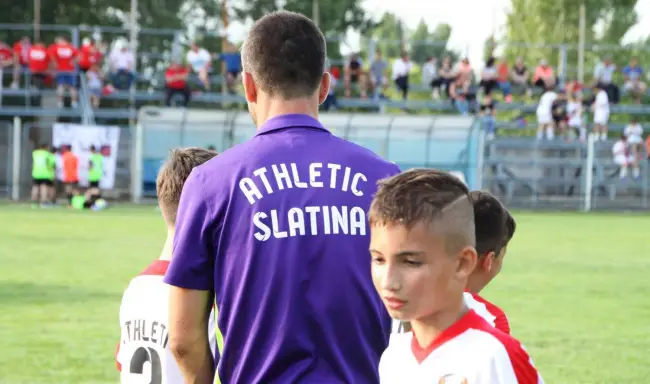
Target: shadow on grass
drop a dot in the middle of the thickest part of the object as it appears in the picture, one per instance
(30, 293)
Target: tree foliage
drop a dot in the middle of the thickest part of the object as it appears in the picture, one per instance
(425, 43)
(536, 28)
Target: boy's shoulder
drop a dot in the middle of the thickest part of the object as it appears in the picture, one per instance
(489, 311)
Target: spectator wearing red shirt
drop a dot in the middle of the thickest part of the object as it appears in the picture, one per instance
(89, 55)
(21, 59)
(176, 83)
(38, 63)
(64, 56)
(6, 57)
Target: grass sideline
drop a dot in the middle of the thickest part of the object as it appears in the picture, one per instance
(573, 285)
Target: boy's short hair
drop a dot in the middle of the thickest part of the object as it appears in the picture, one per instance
(430, 196)
(494, 224)
(174, 173)
(285, 53)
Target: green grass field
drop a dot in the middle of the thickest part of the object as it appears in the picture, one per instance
(575, 287)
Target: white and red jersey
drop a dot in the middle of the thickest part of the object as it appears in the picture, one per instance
(488, 311)
(143, 355)
(64, 56)
(471, 351)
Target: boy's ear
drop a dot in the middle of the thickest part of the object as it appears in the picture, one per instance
(488, 260)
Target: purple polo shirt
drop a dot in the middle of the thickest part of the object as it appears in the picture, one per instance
(277, 228)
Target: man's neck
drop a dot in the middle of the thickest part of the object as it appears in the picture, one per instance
(427, 329)
(286, 107)
(166, 253)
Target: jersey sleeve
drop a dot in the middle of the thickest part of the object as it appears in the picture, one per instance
(510, 364)
(192, 265)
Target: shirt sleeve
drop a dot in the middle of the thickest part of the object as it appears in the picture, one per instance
(192, 264)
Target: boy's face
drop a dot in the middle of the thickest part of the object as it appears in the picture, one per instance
(412, 271)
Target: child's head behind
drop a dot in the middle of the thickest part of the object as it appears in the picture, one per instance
(421, 242)
(172, 177)
(494, 228)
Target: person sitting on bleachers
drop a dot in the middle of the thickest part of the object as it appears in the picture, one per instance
(89, 55)
(604, 76)
(21, 59)
(38, 62)
(520, 76)
(634, 84)
(487, 112)
(95, 82)
(575, 112)
(6, 58)
(446, 74)
(634, 134)
(545, 114)
(64, 57)
(544, 76)
(122, 64)
(624, 159)
(176, 83)
(354, 74)
(199, 60)
(489, 76)
(503, 78)
(232, 66)
(378, 78)
(401, 71)
(430, 77)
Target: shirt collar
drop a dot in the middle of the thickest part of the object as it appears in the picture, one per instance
(289, 121)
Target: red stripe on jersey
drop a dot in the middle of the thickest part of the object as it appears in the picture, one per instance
(454, 330)
(156, 268)
(117, 362)
(521, 362)
(500, 319)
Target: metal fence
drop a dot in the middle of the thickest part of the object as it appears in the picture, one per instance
(446, 142)
(531, 174)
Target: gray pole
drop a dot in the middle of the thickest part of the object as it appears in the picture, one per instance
(581, 45)
(315, 11)
(133, 25)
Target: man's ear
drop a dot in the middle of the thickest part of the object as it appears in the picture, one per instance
(324, 88)
(250, 88)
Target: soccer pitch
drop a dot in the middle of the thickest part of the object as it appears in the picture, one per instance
(575, 287)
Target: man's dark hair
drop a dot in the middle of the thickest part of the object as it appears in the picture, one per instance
(430, 196)
(285, 53)
(494, 224)
(92, 148)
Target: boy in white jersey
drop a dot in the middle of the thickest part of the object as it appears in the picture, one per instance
(422, 247)
(143, 354)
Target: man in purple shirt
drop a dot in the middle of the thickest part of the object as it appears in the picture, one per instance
(275, 231)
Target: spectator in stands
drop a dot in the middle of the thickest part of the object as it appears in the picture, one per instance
(575, 112)
(559, 112)
(545, 114)
(176, 83)
(21, 59)
(38, 62)
(231, 65)
(95, 84)
(430, 77)
(489, 76)
(6, 58)
(463, 78)
(122, 66)
(378, 78)
(200, 60)
(544, 76)
(64, 58)
(353, 72)
(647, 147)
(634, 134)
(446, 74)
(624, 159)
(600, 108)
(604, 76)
(634, 84)
(503, 78)
(487, 113)
(89, 55)
(520, 76)
(401, 70)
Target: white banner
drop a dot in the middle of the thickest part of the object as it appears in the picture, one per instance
(80, 137)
